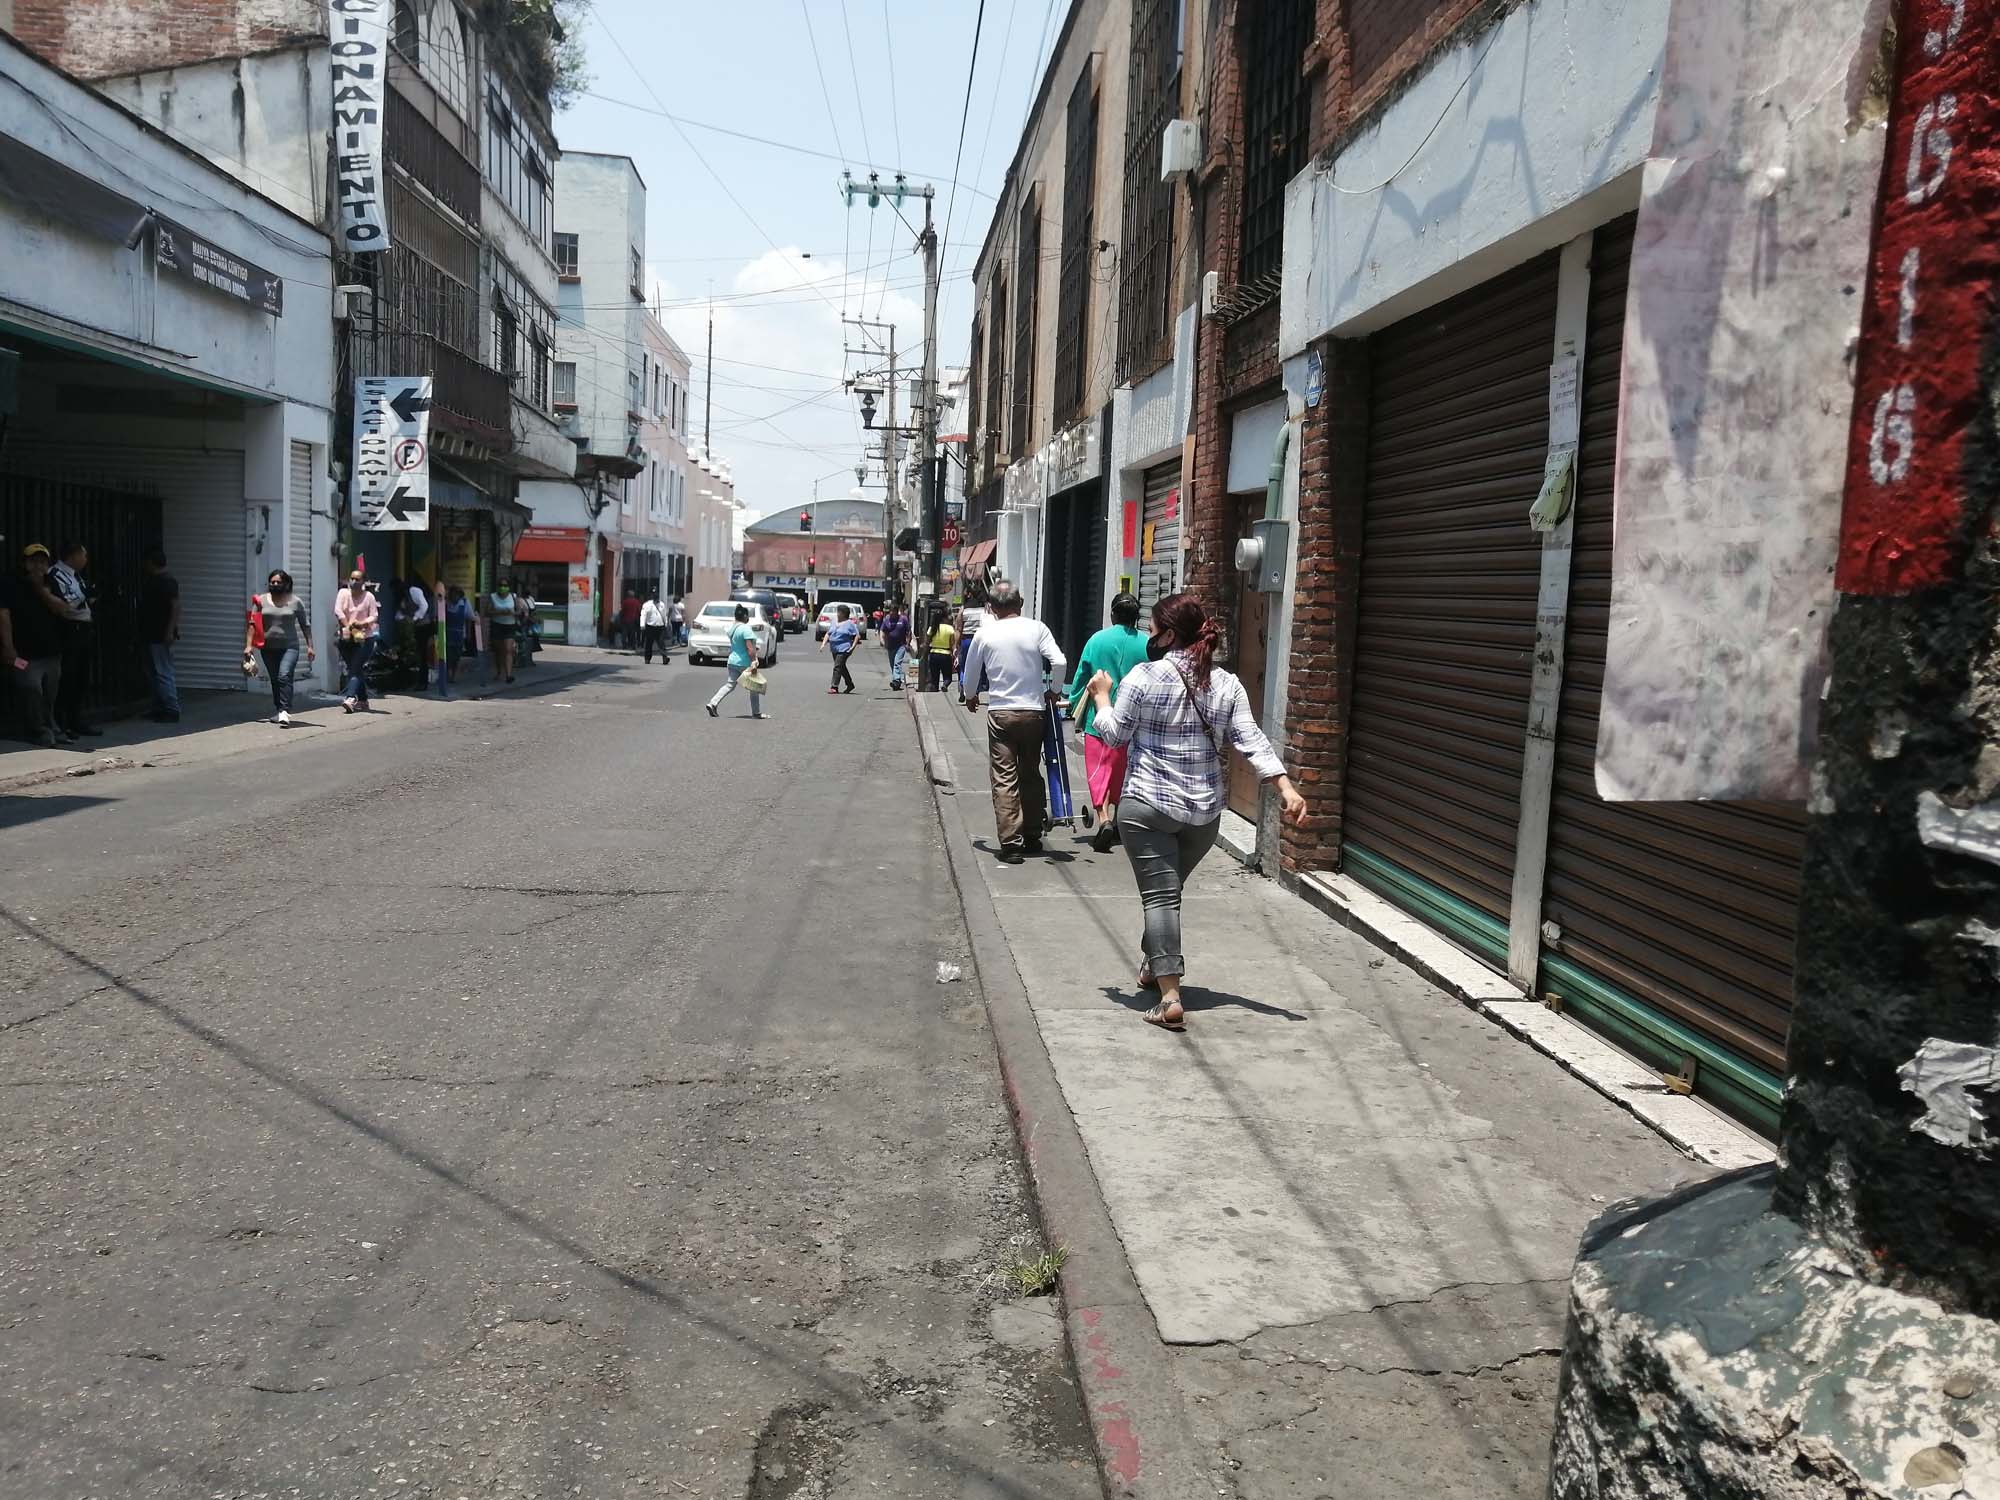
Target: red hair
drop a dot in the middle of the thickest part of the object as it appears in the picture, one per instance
(1186, 619)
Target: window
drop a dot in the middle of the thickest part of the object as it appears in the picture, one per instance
(403, 31)
(515, 167)
(1079, 248)
(566, 385)
(996, 368)
(444, 58)
(634, 383)
(523, 335)
(1146, 248)
(638, 274)
(977, 450)
(1275, 105)
(1027, 283)
(566, 257)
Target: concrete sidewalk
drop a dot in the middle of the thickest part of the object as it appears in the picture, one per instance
(1349, 1202)
(216, 724)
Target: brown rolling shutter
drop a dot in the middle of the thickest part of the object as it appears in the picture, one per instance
(1686, 906)
(1449, 576)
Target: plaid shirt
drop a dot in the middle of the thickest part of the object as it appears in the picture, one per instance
(1174, 765)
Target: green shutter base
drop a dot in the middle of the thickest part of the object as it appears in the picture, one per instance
(1731, 1083)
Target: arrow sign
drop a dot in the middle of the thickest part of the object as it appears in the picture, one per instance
(392, 468)
(410, 401)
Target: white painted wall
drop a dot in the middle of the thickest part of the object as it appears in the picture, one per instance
(63, 282)
(1509, 143)
(1149, 425)
(261, 119)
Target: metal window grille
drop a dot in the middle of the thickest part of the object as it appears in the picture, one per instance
(1079, 236)
(1275, 111)
(996, 370)
(416, 146)
(1146, 253)
(1027, 282)
(976, 449)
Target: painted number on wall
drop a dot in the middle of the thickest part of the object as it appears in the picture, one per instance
(1930, 288)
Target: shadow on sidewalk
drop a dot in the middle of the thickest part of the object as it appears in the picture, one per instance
(1196, 998)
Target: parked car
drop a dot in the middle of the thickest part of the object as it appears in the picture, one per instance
(828, 613)
(772, 601)
(792, 616)
(708, 633)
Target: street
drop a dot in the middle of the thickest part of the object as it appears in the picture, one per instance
(553, 1095)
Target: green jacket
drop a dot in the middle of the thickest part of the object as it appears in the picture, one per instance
(1116, 649)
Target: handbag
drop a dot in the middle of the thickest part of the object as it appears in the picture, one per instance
(754, 680)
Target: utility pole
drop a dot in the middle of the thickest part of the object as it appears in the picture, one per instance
(708, 386)
(924, 429)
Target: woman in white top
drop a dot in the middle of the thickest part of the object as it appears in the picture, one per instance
(1176, 711)
(502, 611)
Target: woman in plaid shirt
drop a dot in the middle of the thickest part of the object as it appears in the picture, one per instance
(1176, 712)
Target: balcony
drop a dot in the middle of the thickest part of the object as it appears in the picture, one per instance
(416, 146)
(466, 396)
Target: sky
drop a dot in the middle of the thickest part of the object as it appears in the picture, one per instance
(762, 229)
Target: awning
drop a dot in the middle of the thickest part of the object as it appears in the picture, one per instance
(977, 558)
(552, 544)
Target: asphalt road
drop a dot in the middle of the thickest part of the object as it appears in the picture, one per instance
(542, 1097)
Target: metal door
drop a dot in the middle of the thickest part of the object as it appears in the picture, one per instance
(298, 531)
(1450, 571)
(1159, 535)
(1688, 907)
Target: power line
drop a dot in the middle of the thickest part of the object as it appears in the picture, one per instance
(598, 16)
(964, 112)
(895, 112)
(824, 94)
(854, 73)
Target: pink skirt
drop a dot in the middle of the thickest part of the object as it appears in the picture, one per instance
(1105, 765)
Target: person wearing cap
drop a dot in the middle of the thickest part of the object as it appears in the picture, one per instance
(31, 642)
(1114, 650)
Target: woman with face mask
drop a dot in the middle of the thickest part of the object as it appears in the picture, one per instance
(355, 616)
(287, 631)
(1177, 714)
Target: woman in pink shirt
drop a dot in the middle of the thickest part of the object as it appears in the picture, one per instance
(355, 613)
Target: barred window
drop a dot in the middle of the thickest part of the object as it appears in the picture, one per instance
(1079, 239)
(1027, 285)
(515, 167)
(978, 450)
(566, 383)
(523, 335)
(996, 369)
(1275, 111)
(1146, 250)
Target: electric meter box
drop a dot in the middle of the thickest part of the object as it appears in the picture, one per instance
(1263, 555)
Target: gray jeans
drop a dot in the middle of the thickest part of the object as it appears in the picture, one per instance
(1164, 852)
(729, 686)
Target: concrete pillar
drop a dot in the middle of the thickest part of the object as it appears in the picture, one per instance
(1825, 1329)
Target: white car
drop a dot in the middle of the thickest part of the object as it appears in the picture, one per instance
(829, 616)
(708, 633)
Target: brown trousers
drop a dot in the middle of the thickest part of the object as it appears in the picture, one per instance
(1020, 800)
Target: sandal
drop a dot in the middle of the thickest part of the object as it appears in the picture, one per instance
(1146, 981)
(1158, 1016)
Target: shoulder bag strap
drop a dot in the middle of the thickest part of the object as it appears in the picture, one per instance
(1194, 702)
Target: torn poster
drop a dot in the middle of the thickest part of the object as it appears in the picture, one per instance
(1747, 272)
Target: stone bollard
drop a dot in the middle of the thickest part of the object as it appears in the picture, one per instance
(1825, 1329)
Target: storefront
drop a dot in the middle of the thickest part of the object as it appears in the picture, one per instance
(1072, 602)
(110, 440)
(553, 563)
(1667, 925)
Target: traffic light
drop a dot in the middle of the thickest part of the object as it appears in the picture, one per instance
(812, 565)
(805, 520)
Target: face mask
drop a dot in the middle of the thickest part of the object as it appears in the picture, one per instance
(1156, 647)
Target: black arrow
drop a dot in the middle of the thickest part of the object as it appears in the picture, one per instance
(401, 511)
(407, 403)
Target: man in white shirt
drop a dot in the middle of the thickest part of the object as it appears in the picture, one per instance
(653, 629)
(1011, 663)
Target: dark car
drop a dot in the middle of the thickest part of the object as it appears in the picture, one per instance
(771, 599)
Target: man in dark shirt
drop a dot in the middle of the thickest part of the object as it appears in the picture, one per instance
(31, 642)
(159, 628)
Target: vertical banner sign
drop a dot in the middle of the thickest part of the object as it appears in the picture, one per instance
(392, 453)
(360, 58)
(1930, 297)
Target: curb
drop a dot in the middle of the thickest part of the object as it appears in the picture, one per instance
(1125, 1373)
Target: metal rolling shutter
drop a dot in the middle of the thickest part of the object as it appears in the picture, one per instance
(1449, 576)
(1161, 576)
(204, 530)
(298, 530)
(1093, 531)
(1687, 907)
